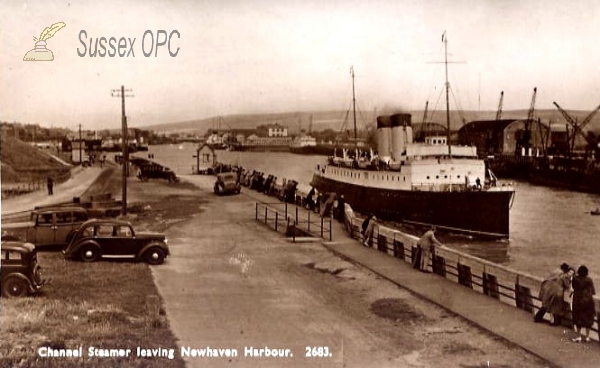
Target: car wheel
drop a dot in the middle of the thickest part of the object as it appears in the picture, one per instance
(154, 256)
(89, 253)
(15, 286)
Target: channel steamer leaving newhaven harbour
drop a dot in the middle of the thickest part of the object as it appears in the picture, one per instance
(428, 183)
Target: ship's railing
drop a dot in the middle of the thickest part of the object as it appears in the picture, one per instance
(293, 221)
(512, 287)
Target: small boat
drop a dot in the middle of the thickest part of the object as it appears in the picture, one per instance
(595, 212)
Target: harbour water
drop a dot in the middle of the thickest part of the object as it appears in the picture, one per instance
(547, 226)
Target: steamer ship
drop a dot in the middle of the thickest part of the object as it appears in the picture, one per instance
(424, 184)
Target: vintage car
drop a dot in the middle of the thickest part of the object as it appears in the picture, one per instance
(155, 171)
(227, 183)
(19, 272)
(47, 226)
(116, 239)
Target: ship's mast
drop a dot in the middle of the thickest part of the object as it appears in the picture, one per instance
(353, 105)
(445, 40)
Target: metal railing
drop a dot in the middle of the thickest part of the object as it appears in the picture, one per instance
(515, 288)
(295, 221)
(31, 185)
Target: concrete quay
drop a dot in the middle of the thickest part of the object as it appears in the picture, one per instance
(552, 344)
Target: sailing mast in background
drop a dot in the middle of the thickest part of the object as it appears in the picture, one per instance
(445, 41)
(353, 104)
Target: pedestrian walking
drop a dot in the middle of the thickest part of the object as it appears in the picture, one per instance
(427, 244)
(50, 185)
(552, 293)
(583, 304)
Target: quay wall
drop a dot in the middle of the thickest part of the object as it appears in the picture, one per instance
(515, 288)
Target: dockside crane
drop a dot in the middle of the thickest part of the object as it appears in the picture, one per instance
(530, 120)
(524, 139)
(499, 111)
(590, 138)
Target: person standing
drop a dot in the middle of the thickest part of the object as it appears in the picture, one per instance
(583, 304)
(365, 227)
(341, 211)
(368, 232)
(50, 185)
(427, 243)
(552, 294)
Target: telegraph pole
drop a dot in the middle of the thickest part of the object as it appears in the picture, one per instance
(125, 145)
(80, 161)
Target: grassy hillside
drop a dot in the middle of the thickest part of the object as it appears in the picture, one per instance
(22, 162)
(322, 120)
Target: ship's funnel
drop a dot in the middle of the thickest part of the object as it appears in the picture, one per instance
(401, 132)
(384, 138)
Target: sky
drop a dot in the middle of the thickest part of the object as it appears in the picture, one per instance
(262, 56)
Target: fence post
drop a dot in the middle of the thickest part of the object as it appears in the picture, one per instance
(296, 213)
(256, 212)
(276, 219)
(322, 227)
(294, 233)
(266, 209)
(308, 221)
(286, 212)
(330, 231)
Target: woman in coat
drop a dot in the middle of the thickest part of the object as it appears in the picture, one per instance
(552, 294)
(583, 304)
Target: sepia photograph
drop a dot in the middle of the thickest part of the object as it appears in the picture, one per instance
(335, 183)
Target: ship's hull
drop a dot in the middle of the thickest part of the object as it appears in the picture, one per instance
(478, 213)
(312, 150)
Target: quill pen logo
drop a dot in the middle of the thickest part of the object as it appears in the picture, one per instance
(40, 52)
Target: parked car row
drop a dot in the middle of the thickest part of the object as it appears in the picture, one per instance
(82, 239)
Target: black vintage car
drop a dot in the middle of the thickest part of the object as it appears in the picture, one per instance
(156, 171)
(116, 239)
(20, 273)
(227, 183)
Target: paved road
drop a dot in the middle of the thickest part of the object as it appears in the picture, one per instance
(232, 284)
(81, 180)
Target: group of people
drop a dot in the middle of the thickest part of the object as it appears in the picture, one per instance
(564, 284)
(561, 285)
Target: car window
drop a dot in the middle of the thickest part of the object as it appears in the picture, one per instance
(45, 219)
(88, 232)
(124, 231)
(104, 230)
(63, 217)
(11, 257)
(79, 216)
